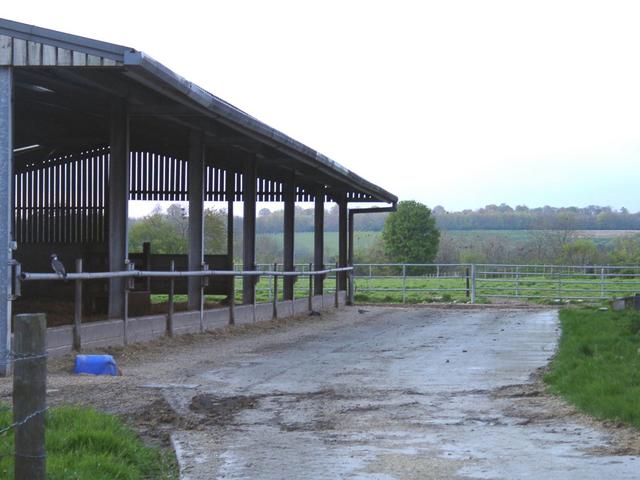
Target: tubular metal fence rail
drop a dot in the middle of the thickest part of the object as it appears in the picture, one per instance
(204, 274)
(482, 282)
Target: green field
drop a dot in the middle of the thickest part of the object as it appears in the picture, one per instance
(365, 240)
(597, 367)
(303, 242)
(518, 238)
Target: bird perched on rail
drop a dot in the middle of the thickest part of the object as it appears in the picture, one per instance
(58, 266)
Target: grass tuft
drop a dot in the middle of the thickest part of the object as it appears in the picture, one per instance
(597, 367)
(85, 444)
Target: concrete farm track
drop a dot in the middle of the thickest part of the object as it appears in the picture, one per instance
(364, 393)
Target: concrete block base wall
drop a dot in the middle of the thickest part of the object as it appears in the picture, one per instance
(110, 333)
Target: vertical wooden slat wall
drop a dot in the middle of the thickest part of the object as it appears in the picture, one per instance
(63, 199)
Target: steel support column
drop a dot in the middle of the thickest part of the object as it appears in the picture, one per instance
(195, 180)
(342, 241)
(350, 254)
(118, 204)
(318, 241)
(249, 229)
(289, 197)
(6, 213)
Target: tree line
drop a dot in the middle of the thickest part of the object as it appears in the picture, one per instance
(399, 241)
(504, 217)
(490, 217)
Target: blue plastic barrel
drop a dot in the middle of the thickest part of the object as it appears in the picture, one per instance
(96, 365)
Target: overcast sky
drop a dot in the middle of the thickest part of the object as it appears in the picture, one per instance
(458, 103)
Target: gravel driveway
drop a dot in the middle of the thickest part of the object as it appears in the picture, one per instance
(376, 393)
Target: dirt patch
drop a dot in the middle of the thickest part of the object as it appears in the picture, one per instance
(154, 422)
(221, 410)
(532, 404)
(313, 426)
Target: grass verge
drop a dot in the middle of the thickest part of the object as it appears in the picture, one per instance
(597, 367)
(83, 444)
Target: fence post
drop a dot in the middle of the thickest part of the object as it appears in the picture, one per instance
(125, 318)
(254, 285)
(323, 287)
(30, 395)
(310, 288)
(602, 283)
(473, 283)
(352, 286)
(232, 299)
(171, 306)
(77, 310)
(467, 278)
(336, 300)
(517, 281)
(274, 313)
(404, 283)
(204, 282)
(293, 293)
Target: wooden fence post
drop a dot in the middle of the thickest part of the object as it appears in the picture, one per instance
(274, 313)
(336, 300)
(77, 311)
(310, 288)
(128, 285)
(232, 299)
(254, 286)
(204, 282)
(29, 395)
(467, 278)
(171, 306)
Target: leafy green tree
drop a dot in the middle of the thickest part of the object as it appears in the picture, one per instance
(626, 251)
(215, 231)
(410, 234)
(168, 232)
(158, 229)
(580, 252)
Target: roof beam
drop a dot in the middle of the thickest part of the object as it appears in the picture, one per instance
(146, 110)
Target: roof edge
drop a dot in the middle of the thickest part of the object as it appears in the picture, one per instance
(90, 46)
(220, 108)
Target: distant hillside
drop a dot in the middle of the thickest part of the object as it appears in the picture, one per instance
(491, 217)
(503, 217)
(482, 246)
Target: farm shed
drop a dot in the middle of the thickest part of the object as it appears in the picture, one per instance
(86, 126)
